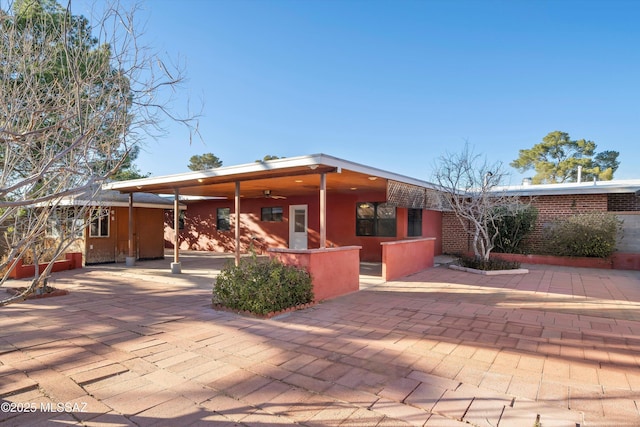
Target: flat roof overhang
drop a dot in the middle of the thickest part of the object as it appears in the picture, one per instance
(295, 176)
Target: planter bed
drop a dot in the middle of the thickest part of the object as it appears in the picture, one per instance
(489, 272)
(52, 293)
(564, 261)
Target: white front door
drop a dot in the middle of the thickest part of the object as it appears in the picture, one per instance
(298, 227)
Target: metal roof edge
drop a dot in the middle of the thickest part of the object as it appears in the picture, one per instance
(306, 160)
(373, 171)
(597, 187)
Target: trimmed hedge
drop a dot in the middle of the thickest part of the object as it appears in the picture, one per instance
(583, 235)
(262, 286)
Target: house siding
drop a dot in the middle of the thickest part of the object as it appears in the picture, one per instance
(200, 231)
(625, 202)
(147, 232)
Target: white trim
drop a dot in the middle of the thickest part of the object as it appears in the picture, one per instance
(310, 160)
(107, 203)
(597, 187)
(292, 224)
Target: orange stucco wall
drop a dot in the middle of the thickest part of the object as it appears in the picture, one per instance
(342, 278)
(148, 236)
(405, 257)
(200, 231)
(72, 260)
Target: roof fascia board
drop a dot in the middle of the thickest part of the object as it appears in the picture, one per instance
(312, 160)
(106, 203)
(599, 187)
(188, 177)
(372, 171)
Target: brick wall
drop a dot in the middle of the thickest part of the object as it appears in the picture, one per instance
(454, 239)
(551, 208)
(625, 202)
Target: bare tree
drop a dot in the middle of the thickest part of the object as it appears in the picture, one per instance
(74, 101)
(469, 185)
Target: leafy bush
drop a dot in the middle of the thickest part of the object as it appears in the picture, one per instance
(585, 235)
(513, 225)
(488, 265)
(262, 286)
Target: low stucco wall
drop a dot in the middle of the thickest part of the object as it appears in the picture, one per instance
(404, 257)
(334, 271)
(72, 260)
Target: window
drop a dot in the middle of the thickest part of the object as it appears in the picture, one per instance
(66, 221)
(99, 223)
(222, 219)
(171, 219)
(375, 219)
(273, 214)
(181, 220)
(414, 222)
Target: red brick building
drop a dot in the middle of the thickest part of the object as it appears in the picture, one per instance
(554, 201)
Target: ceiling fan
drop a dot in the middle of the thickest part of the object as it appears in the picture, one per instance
(268, 195)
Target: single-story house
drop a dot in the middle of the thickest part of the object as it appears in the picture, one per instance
(107, 236)
(313, 202)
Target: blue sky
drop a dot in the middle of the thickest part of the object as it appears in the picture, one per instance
(396, 84)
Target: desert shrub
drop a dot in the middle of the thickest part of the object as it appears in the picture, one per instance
(587, 235)
(513, 224)
(262, 286)
(488, 265)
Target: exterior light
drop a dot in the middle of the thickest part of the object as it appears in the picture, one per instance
(373, 178)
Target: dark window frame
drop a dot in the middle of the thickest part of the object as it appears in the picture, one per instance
(414, 222)
(267, 214)
(373, 220)
(223, 219)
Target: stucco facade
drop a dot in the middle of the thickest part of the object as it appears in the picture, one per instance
(200, 230)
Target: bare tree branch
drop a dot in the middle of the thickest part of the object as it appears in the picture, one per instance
(76, 96)
(468, 184)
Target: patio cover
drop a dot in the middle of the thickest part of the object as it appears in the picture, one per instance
(293, 176)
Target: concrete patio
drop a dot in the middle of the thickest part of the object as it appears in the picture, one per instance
(140, 347)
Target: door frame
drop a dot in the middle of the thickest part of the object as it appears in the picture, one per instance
(294, 236)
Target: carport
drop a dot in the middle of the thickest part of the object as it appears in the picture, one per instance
(311, 177)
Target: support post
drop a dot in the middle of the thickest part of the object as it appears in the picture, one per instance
(237, 227)
(323, 210)
(176, 268)
(130, 260)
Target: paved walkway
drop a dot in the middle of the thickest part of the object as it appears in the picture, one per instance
(141, 347)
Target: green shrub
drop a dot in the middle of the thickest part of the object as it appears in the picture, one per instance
(262, 286)
(585, 235)
(488, 265)
(513, 225)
